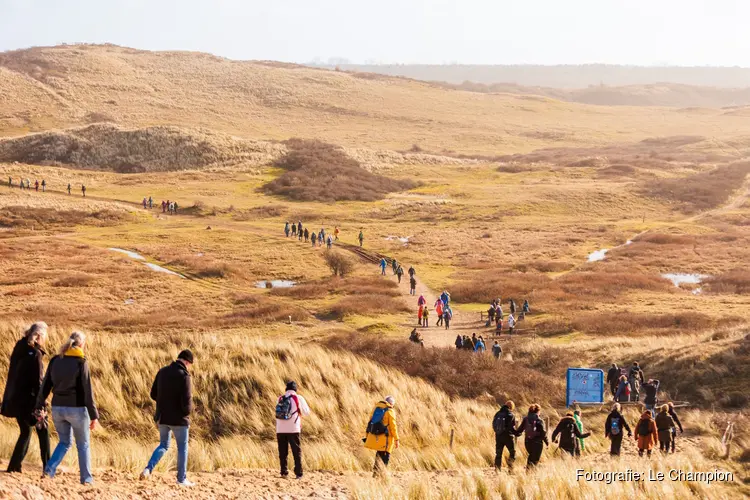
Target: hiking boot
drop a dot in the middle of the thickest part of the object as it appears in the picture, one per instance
(145, 475)
(185, 483)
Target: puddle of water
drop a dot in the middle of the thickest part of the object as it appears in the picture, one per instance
(598, 255)
(678, 279)
(130, 254)
(275, 284)
(159, 269)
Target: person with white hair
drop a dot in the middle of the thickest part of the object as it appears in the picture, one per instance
(73, 409)
(21, 389)
(382, 433)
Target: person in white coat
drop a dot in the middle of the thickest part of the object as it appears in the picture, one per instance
(290, 408)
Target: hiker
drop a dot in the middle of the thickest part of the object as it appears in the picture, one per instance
(676, 419)
(613, 429)
(322, 234)
(623, 390)
(299, 228)
(399, 273)
(526, 308)
(459, 343)
(44, 185)
(173, 392)
(83, 190)
(651, 388)
(361, 238)
(512, 306)
(511, 323)
(313, 237)
(28, 183)
(329, 242)
(664, 427)
(490, 315)
(504, 425)
(479, 346)
(421, 301)
(36, 185)
(415, 337)
(21, 390)
(175, 207)
(383, 263)
(286, 229)
(580, 445)
(445, 297)
(10, 182)
(307, 235)
(163, 206)
(321, 238)
(646, 434)
(144, 203)
(73, 409)
(382, 433)
(425, 317)
(299, 233)
(150, 203)
(498, 324)
(635, 377)
(613, 376)
(497, 350)
(439, 312)
(447, 316)
(294, 229)
(420, 312)
(468, 343)
(568, 432)
(412, 271)
(290, 408)
(336, 233)
(412, 286)
(69, 188)
(536, 435)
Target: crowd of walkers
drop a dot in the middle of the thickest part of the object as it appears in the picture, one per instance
(496, 315)
(26, 184)
(297, 230)
(626, 385)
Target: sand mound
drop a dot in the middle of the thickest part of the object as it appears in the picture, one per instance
(152, 149)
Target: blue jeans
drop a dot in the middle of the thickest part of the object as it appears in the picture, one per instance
(181, 436)
(71, 421)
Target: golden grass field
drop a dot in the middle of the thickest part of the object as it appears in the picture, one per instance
(542, 184)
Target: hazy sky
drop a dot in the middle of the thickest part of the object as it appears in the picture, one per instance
(676, 32)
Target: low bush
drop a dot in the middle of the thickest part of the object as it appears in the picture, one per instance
(735, 281)
(338, 263)
(47, 218)
(367, 304)
(74, 280)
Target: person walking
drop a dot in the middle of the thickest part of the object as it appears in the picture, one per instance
(647, 434)
(459, 343)
(44, 185)
(512, 305)
(497, 350)
(150, 203)
(329, 242)
(568, 432)
(69, 189)
(504, 425)
(83, 190)
(447, 316)
(163, 206)
(73, 408)
(439, 312)
(36, 185)
(381, 434)
(173, 392)
(144, 203)
(651, 388)
(412, 286)
(526, 308)
(420, 312)
(383, 264)
(580, 445)
(290, 408)
(286, 229)
(536, 435)
(361, 238)
(307, 235)
(399, 273)
(676, 419)
(635, 377)
(412, 272)
(623, 390)
(10, 182)
(25, 373)
(294, 229)
(479, 345)
(425, 317)
(336, 232)
(511, 323)
(613, 376)
(321, 238)
(299, 229)
(313, 238)
(664, 427)
(613, 429)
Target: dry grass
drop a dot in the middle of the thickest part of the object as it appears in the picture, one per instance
(733, 281)
(316, 171)
(25, 217)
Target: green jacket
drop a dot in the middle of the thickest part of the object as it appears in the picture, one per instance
(579, 424)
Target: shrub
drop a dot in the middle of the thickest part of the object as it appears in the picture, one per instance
(734, 281)
(317, 171)
(338, 263)
(367, 304)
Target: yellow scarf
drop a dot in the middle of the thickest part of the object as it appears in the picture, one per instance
(75, 352)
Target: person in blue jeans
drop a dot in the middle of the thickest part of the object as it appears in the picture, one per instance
(73, 408)
(172, 390)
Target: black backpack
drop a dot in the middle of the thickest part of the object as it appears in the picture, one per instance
(644, 428)
(503, 422)
(532, 426)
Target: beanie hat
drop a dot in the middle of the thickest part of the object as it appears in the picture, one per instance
(186, 355)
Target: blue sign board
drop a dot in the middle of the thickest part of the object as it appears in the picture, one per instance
(584, 385)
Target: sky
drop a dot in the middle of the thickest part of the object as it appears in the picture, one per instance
(639, 32)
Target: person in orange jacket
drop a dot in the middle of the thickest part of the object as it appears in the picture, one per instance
(646, 433)
(382, 433)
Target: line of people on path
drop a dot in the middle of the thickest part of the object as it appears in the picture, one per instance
(168, 206)
(626, 385)
(26, 184)
(477, 344)
(317, 239)
(496, 315)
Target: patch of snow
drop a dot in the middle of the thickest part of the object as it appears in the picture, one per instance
(678, 279)
(275, 284)
(159, 269)
(598, 255)
(130, 254)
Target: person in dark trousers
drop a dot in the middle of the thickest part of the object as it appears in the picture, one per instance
(568, 432)
(635, 377)
(361, 238)
(69, 188)
(512, 305)
(44, 185)
(447, 316)
(676, 419)
(294, 229)
(83, 190)
(622, 394)
(412, 272)
(399, 273)
(459, 343)
(613, 429)
(664, 426)
(73, 408)
(290, 408)
(497, 350)
(307, 235)
(381, 434)
(173, 392)
(412, 286)
(286, 229)
(24, 381)
(651, 388)
(613, 377)
(504, 425)
(536, 435)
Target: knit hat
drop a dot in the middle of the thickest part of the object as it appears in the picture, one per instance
(186, 355)
(291, 386)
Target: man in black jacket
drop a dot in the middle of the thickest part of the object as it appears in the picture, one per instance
(613, 378)
(536, 435)
(568, 431)
(504, 425)
(676, 419)
(613, 428)
(172, 391)
(651, 388)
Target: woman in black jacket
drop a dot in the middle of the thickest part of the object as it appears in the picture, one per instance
(24, 380)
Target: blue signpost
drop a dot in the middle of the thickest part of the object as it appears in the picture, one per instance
(584, 385)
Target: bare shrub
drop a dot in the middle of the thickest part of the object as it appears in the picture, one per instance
(317, 171)
(251, 308)
(74, 280)
(367, 304)
(45, 218)
(338, 263)
(736, 281)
